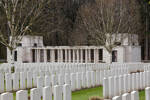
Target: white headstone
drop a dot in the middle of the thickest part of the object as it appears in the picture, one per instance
(78, 80)
(134, 95)
(47, 81)
(121, 85)
(147, 93)
(83, 77)
(35, 75)
(111, 87)
(105, 88)
(116, 98)
(22, 95)
(35, 94)
(67, 79)
(22, 81)
(67, 92)
(88, 79)
(1, 82)
(126, 96)
(8, 78)
(15, 81)
(73, 81)
(116, 84)
(6, 96)
(97, 78)
(61, 79)
(47, 93)
(58, 92)
(29, 79)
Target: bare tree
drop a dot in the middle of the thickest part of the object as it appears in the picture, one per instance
(108, 22)
(19, 16)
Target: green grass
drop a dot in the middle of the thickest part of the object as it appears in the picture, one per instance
(85, 94)
(142, 95)
(98, 91)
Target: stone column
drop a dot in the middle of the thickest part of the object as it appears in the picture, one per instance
(45, 55)
(74, 60)
(52, 58)
(81, 55)
(95, 55)
(77, 56)
(89, 53)
(66, 57)
(38, 55)
(58, 55)
(69, 54)
(86, 56)
(61, 55)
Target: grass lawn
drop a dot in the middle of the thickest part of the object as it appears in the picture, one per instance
(98, 91)
(142, 95)
(85, 94)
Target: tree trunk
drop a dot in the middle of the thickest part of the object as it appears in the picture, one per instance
(146, 38)
(146, 48)
(12, 62)
(110, 62)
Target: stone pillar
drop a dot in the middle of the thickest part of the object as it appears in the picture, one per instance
(81, 55)
(58, 55)
(74, 60)
(45, 55)
(38, 55)
(61, 55)
(69, 55)
(52, 58)
(66, 55)
(77, 52)
(86, 56)
(89, 55)
(95, 55)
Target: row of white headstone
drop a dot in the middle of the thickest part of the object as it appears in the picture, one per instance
(60, 93)
(78, 80)
(134, 95)
(21, 67)
(132, 67)
(117, 85)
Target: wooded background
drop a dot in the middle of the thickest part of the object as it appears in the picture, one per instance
(59, 22)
